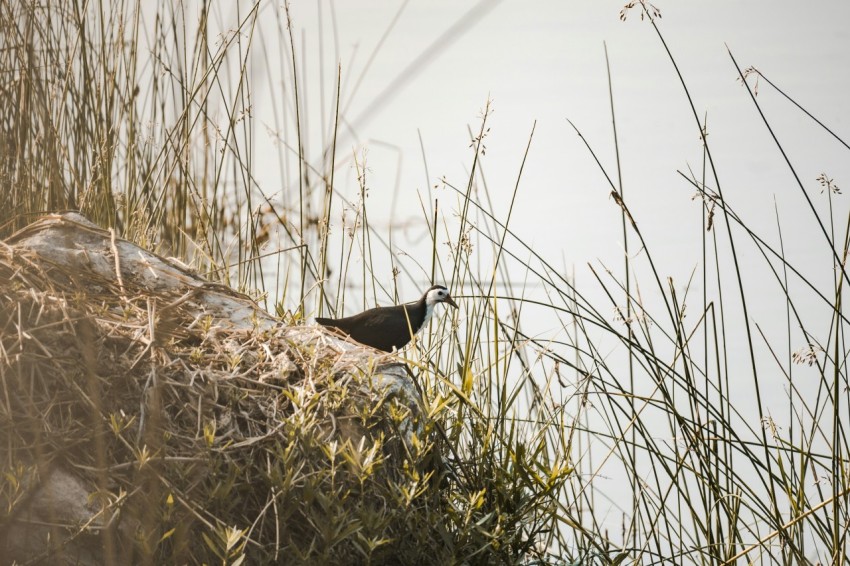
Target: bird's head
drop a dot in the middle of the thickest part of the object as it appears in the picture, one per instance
(438, 294)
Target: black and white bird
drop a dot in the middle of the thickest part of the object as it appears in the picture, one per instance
(388, 328)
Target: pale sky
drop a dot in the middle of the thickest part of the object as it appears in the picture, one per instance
(544, 61)
(431, 72)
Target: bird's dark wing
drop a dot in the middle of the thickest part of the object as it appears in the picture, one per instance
(382, 328)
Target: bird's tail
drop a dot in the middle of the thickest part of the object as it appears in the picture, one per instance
(324, 321)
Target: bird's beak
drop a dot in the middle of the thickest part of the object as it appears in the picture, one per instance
(450, 301)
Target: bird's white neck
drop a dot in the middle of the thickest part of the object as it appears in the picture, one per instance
(429, 312)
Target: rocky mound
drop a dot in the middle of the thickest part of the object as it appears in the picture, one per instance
(149, 416)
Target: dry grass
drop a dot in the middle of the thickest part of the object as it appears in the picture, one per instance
(192, 432)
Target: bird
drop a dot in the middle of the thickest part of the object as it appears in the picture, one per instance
(389, 328)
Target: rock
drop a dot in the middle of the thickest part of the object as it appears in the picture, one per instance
(59, 522)
(146, 410)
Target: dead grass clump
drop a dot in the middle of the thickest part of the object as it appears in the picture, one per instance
(199, 442)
